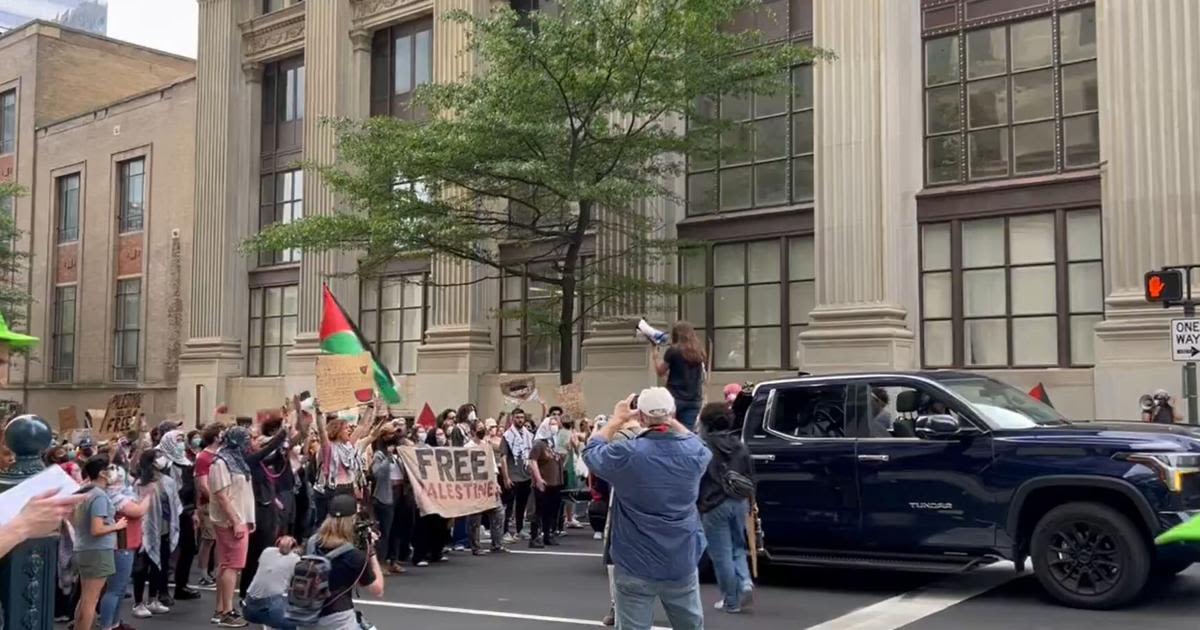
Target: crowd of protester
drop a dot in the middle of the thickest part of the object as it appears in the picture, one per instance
(249, 501)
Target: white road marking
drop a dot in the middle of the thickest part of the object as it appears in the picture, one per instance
(577, 554)
(906, 608)
(487, 613)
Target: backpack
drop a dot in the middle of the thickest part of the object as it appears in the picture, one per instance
(308, 590)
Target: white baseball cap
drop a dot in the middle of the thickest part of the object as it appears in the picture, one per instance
(656, 402)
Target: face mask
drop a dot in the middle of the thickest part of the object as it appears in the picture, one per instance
(480, 434)
(553, 427)
(197, 443)
(161, 463)
(70, 453)
(471, 416)
(422, 436)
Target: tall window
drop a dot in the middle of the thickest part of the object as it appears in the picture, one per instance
(129, 329)
(393, 315)
(270, 6)
(1005, 101)
(282, 201)
(132, 195)
(401, 61)
(758, 291)
(274, 313)
(531, 343)
(1025, 290)
(8, 122)
(766, 158)
(68, 208)
(62, 361)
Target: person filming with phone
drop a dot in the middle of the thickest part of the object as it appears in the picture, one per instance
(656, 533)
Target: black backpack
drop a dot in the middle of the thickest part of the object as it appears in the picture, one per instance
(308, 592)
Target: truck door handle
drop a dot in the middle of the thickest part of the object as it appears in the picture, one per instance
(873, 458)
(763, 458)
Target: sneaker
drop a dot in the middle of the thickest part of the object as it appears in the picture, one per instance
(186, 593)
(553, 542)
(523, 535)
(141, 612)
(733, 611)
(480, 552)
(536, 544)
(460, 547)
(423, 563)
(500, 549)
(396, 569)
(62, 619)
(166, 600)
(207, 581)
(509, 539)
(720, 605)
(747, 598)
(574, 524)
(610, 619)
(598, 536)
(158, 608)
(216, 617)
(232, 620)
(444, 559)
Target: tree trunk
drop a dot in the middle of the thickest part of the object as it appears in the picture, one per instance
(566, 330)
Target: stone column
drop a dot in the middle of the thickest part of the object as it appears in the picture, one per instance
(225, 115)
(330, 92)
(868, 170)
(1150, 152)
(458, 345)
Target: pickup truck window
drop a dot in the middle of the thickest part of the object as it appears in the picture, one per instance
(1003, 406)
(809, 412)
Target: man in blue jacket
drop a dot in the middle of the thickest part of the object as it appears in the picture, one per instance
(656, 537)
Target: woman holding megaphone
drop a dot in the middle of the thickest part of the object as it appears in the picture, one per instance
(683, 365)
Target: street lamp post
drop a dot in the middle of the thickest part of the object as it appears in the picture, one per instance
(28, 574)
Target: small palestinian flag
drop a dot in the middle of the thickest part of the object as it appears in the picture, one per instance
(1039, 393)
(339, 335)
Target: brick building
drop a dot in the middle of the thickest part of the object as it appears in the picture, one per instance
(100, 135)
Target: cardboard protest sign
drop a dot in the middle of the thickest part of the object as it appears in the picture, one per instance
(122, 415)
(68, 419)
(344, 380)
(93, 417)
(570, 398)
(519, 390)
(452, 481)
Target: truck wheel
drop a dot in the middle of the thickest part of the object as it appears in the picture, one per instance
(1088, 555)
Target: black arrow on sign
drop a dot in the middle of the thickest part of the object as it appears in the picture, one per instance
(1195, 351)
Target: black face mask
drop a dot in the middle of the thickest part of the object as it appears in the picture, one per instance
(479, 435)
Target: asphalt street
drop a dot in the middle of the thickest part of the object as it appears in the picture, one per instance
(566, 587)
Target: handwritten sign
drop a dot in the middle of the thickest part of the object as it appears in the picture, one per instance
(519, 390)
(68, 419)
(570, 398)
(121, 416)
(344, 380)
(93, 417)
(452, 482)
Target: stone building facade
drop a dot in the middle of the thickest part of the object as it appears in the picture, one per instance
(970, 184)
(99, 134)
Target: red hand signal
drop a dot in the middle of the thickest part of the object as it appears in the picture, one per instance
(1156, 287)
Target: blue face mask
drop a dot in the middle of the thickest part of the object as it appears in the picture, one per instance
(197, 443)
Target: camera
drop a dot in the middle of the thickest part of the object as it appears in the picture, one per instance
(366, 531)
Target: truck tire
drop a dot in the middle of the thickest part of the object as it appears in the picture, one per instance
(1088, 555)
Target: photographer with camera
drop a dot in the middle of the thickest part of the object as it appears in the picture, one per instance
(340, 556)
(1160, 408)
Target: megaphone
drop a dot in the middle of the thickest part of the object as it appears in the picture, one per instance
(652, 334)
(1146, 402)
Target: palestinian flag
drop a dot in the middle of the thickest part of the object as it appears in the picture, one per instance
(339, 335)
(1039, 393)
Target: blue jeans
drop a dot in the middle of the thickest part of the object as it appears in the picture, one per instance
(686, 412)
(268, 612)
(725, 529)
(461, 537)
(634, 601)
(114, 590)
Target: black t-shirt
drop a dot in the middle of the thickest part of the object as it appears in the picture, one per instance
(344, 570)
(1164, 415)
(684, 380)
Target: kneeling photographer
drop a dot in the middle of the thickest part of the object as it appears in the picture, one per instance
(340, 556)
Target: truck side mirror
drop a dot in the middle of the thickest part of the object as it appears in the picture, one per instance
(938, 426)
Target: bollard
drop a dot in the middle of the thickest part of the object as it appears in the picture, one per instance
(28, 574)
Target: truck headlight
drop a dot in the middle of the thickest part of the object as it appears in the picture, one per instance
(1170, 467)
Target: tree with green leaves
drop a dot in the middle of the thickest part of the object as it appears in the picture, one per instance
(575, 118)
(14, 297)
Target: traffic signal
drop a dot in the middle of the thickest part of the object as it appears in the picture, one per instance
(1164, 286)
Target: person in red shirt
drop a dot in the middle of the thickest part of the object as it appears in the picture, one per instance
(210, 440)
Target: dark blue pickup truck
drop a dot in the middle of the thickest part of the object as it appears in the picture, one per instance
(947, 471)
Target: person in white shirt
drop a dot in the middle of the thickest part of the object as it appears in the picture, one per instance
(266, 599)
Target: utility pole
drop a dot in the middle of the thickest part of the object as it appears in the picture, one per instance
(1172, 286)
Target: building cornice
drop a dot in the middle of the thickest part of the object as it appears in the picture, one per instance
(370, 15)
(274, 35)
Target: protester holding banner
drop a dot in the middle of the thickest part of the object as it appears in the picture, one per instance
(433, 530)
